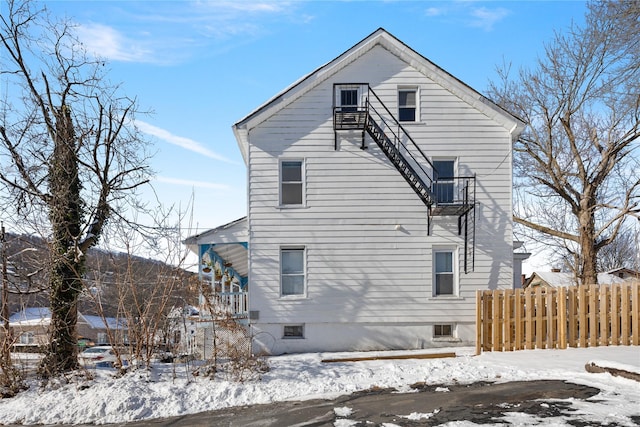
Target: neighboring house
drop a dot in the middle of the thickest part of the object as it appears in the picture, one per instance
(518, 258)
(31, 325)
(556, 279)
(379, 202)
(625, 273)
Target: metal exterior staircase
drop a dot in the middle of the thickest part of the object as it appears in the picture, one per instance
(402, 164)
(413, 164)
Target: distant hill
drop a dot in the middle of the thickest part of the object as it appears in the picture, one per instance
(111, 278)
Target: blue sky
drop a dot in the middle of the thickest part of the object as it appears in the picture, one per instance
(201, 66)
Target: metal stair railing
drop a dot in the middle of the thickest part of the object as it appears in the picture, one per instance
(400, 149)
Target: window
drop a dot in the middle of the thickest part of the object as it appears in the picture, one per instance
(444, 272)
(442, 331)
(443, 187)
(292, 271)
(293, 331)
(26, 338)
(407, 105)
(102, 338)
(291, 183)
(349, 99)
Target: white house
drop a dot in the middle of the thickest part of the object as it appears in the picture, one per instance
(379, 202)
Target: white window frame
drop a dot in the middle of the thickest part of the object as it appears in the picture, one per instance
(281, 182)
(303, 294)
(293, 337)
(360, 88)
(102, 338)
(454, 267)
(440, 325)
(27, 338)
(416, 90)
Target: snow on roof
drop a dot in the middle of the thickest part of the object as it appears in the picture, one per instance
(558, 280)
(97, 322)
(31, 316)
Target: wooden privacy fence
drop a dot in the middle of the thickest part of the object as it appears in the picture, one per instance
(540, 317)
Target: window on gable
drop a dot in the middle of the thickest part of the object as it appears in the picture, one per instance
(349, 99)
(444, 185)
(291, 182)
(292, 274)
(444, 272)
(407, 104)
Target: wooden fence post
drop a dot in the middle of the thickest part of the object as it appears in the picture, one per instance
(519, 321)
(530, 311)
(635, 313)
(562, 318)
(496, 322)
(478, 323)
(615, 314)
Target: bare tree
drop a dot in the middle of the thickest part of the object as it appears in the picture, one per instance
(71, 158)
(621, 253)
(576, 166)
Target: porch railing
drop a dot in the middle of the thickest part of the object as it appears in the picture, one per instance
(234, 303)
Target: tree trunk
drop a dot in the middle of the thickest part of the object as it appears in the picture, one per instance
(65, 213)
(587, 273)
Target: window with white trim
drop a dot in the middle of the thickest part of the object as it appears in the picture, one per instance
(26, 338)
(293, 331)
(408, 104)
(291, 182)
(349, 99)
(292, 271)
(102, 338)
(444, 272)
(443, 331)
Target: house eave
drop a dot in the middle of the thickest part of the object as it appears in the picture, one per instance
(383, 38)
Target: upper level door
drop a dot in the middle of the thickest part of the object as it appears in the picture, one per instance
(444, 180)
(350, 97)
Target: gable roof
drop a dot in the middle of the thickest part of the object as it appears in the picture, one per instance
(31, 316)
(380, 37)
(624, 272)
(41, 316)
(557, 280)
(237, 227)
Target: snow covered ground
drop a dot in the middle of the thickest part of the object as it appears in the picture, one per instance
(170, 390)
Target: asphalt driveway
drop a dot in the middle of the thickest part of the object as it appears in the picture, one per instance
(478, 402)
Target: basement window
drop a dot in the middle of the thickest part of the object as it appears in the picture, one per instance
(293, 331)
(443, 331)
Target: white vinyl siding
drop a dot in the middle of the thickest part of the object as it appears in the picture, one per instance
(372, 259)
